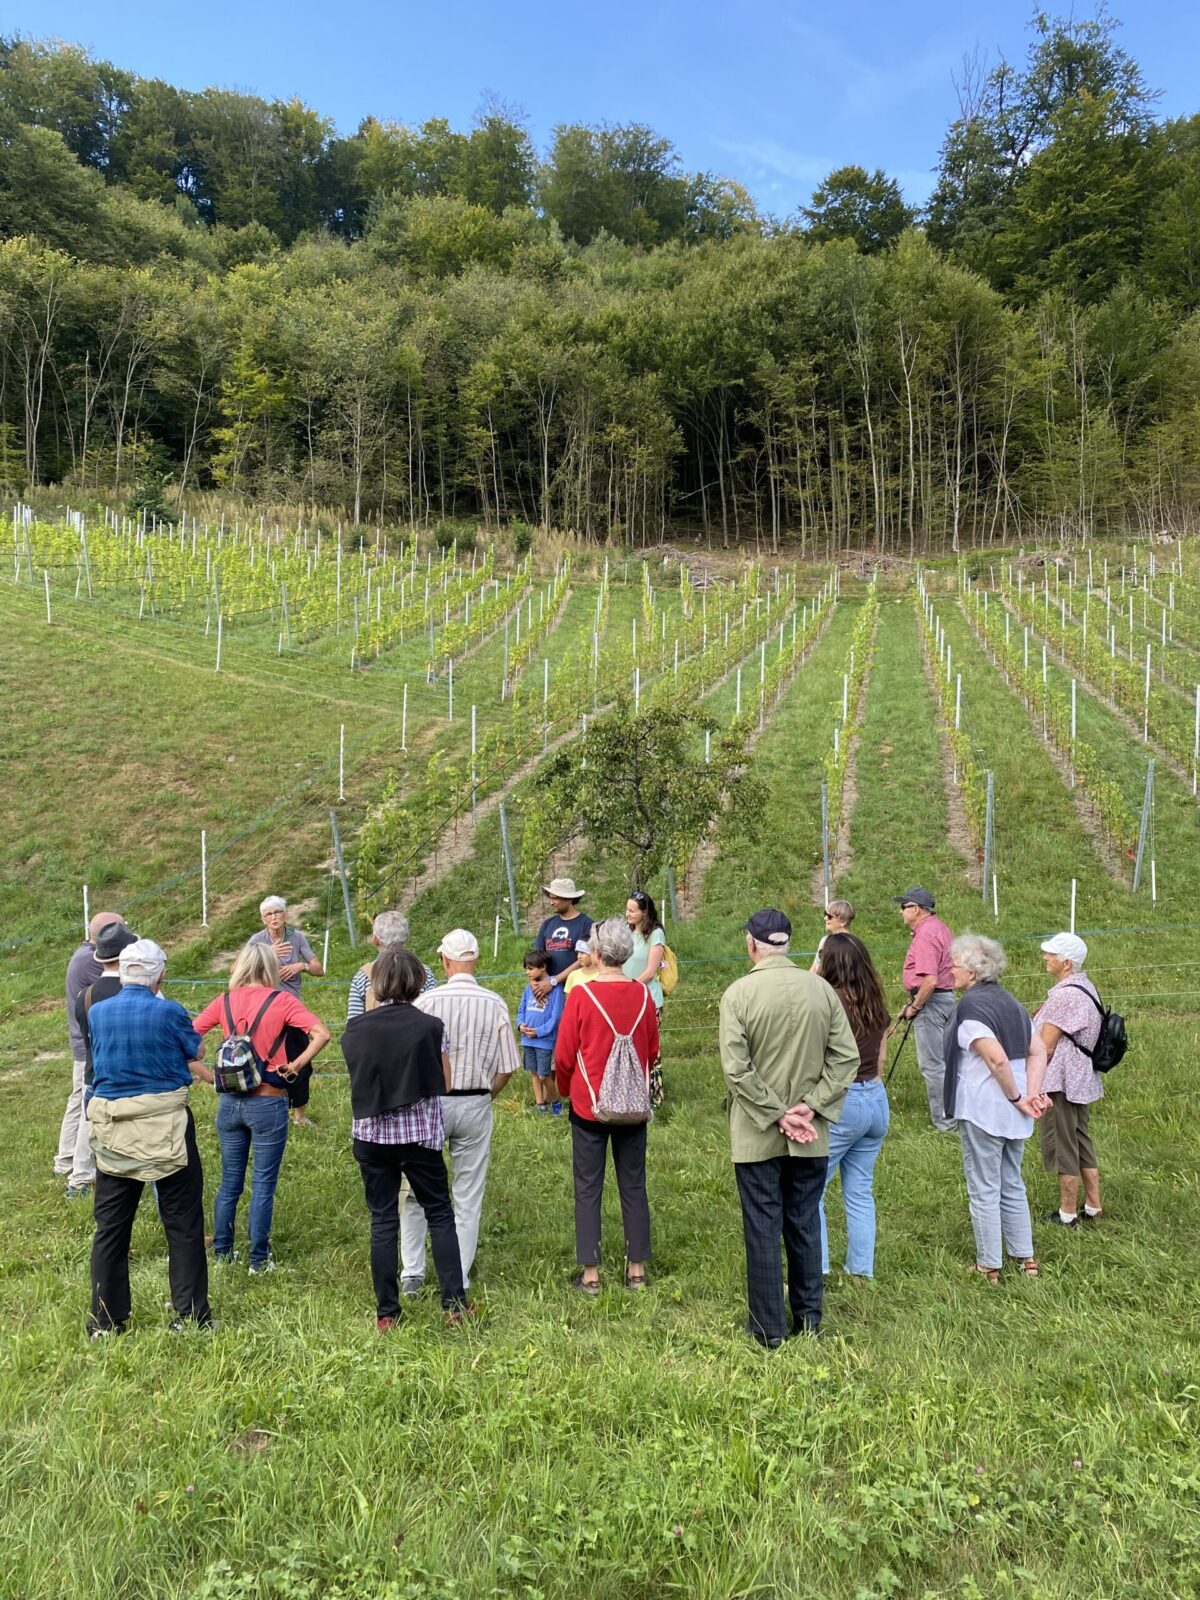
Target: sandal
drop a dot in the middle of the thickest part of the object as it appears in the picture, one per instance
(632, 1282)
(580, 1283)
(992, 1274)
(1030, 1267)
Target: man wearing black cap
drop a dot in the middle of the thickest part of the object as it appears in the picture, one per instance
(789, 1056)
(110, 941)
(930, 984)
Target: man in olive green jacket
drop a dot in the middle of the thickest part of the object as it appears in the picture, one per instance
(789, 1056)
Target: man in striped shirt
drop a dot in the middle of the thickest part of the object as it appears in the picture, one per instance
(483, 1056)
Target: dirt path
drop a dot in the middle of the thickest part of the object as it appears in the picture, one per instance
(1161, 756)
(1109, 856)
(689, 893)
(958, 830)
(843, 855)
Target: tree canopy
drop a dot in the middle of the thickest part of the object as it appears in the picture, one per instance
(209, 289)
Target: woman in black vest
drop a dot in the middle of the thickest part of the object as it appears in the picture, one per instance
(995, 1064)
(399, 1067)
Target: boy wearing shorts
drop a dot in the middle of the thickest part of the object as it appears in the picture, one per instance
(537, 1023)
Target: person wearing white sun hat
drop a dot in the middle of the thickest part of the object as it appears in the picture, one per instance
(561, 932)
(1069, 1024)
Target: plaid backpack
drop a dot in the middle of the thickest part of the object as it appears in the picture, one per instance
(624, 1094)
(239, 1068)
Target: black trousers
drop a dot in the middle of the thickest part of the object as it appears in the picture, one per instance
(590, 1142)
(295, 1043)
(383, 1168)
(781, 1200)
(181, 1209)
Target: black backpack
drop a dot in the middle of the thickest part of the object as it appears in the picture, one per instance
(1111, 1042)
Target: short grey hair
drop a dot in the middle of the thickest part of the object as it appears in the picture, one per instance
(273, 902)
(391, 927)
(612, 941)
(765, 948)
(979, 955)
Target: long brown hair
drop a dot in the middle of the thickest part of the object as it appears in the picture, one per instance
(846, 965)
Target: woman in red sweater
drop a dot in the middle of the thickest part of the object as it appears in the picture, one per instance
(586, 1031)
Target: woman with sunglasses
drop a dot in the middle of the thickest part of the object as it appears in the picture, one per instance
(838, 915)
(649, 948)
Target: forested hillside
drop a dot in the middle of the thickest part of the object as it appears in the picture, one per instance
(210, 290)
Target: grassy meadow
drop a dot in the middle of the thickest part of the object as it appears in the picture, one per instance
(941, 1438)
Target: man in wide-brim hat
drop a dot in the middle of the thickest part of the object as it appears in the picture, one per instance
(561, 932)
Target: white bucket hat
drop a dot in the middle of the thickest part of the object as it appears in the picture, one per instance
(563, 889)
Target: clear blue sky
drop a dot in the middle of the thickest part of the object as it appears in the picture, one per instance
(773, 95)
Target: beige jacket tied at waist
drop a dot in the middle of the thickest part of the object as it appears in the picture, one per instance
(140, 1135)
(784, 1039)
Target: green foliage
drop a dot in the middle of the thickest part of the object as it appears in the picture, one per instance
(638, 787)
(867, 208)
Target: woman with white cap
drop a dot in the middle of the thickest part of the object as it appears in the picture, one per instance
(1069, 1026)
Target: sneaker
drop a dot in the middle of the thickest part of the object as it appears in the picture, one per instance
(556, 1109)
(79, 1191)
(386, 1324)
(264, 1266)
(543, 1109)
(454, 1319)
(105, 1333)
(185, 1324)
(1090, 1216)
(410, 1288)
(1057, 1219)
(225, 1258)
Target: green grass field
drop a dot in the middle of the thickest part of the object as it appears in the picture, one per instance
(941, 1438)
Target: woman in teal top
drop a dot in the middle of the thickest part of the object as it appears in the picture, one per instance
(649, 948)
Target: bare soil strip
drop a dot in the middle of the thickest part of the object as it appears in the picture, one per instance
(1161, 756)
(1109, 857)
(843, 850)
(958, 828)
(690, 891)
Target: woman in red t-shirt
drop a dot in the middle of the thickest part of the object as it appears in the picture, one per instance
(585, 1031)
(256, 1121)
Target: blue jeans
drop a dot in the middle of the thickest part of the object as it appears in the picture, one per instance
(854, 1143)
(244, 1121)
(539, 1061)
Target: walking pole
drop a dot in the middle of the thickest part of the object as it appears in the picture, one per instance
(899, 1049)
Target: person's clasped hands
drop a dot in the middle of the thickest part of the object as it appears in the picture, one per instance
(796, 1124)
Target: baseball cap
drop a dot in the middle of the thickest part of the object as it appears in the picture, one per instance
(459, 945)
(1069, 946)
(915, 897)
(583, 947)
(111, 940)
(768, 927)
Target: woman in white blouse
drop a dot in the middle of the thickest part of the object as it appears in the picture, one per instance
(995, 1065)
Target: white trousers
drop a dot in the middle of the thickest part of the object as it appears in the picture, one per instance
(468, 1123)
(75, 1161)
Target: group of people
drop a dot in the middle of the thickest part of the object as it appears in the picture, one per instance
(802, 1053)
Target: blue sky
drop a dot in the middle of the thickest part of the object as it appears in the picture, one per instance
(774, 95)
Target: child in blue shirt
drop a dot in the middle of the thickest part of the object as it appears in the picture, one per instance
(537, 1022)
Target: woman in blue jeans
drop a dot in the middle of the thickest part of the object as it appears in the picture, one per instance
(258, 1121)
(855, 1140)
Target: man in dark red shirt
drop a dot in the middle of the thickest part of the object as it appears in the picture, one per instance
(930, 985)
